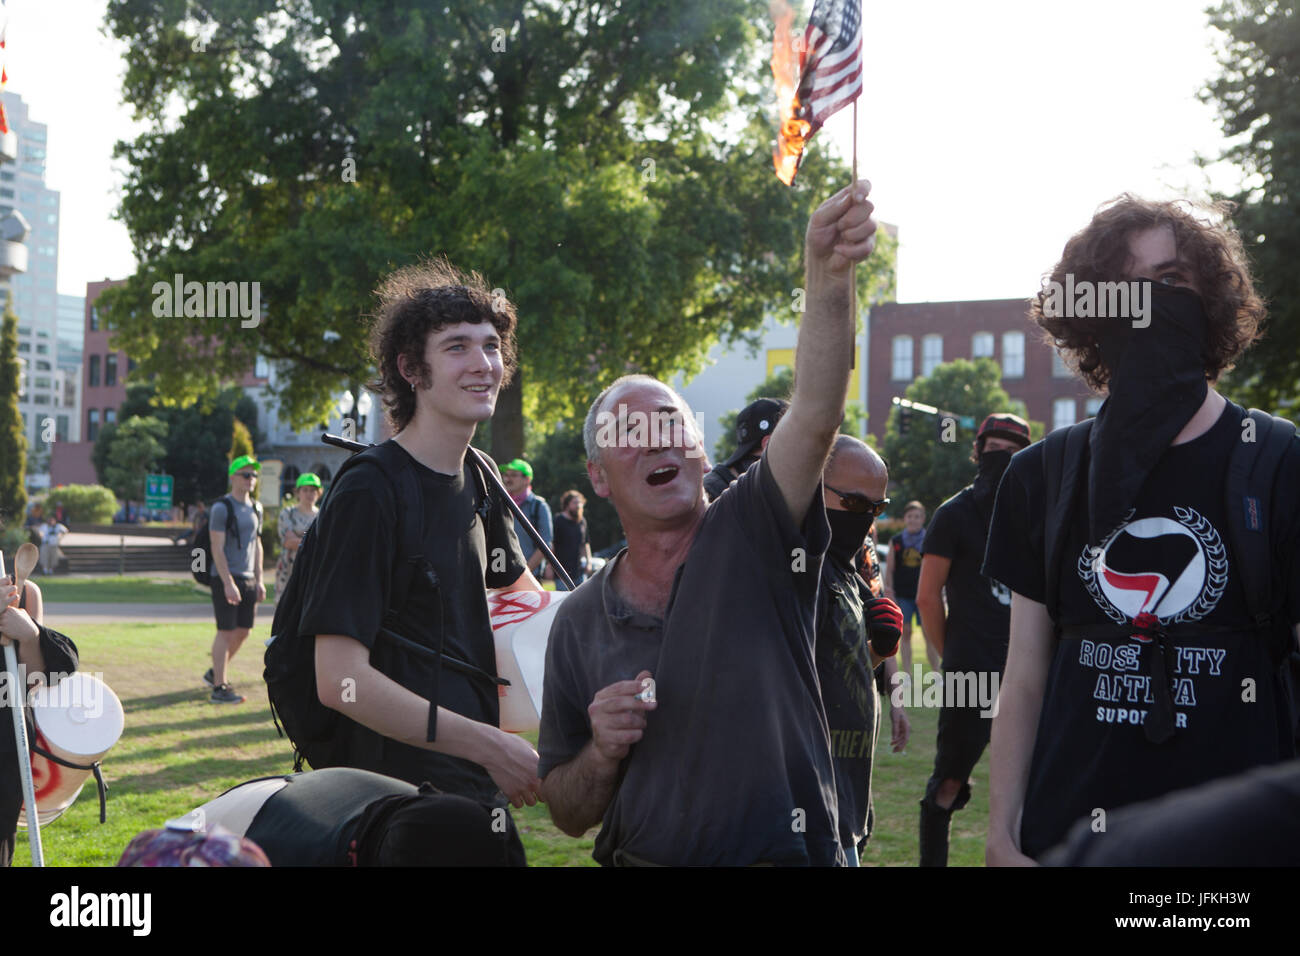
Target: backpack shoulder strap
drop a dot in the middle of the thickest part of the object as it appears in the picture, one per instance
(232, 522)
(1064, 451)
(1252, 471)
(484, 493)
(396, 466)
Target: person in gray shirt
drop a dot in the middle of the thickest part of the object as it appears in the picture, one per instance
(237, 586)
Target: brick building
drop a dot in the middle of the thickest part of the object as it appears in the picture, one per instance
(908, 340)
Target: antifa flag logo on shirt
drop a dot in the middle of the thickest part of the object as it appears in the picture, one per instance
(1174, 569)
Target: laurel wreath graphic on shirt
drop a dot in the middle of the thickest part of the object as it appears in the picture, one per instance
(1216, 578)
(1216, 559)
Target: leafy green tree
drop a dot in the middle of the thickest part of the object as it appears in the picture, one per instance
(1258, 97)
(607, 166)
(13, 441)
(135, 450)
(930, 463)
(241, 441)
(197, 442)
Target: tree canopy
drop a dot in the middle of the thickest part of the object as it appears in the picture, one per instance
(931, 464)
(13, 440)
(1258, 97)
(197, 444)
(606, 164)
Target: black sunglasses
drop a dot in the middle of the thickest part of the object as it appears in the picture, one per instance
(859, 504)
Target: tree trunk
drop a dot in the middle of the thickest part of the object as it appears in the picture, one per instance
(508, 422)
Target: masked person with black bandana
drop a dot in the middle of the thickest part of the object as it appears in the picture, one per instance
(857, 637)
(971, 636)
(1152, 553)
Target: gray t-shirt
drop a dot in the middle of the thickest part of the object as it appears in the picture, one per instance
(241, 550)
(735, 765)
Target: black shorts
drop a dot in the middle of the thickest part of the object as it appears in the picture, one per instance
(232, 617)
(963, 736)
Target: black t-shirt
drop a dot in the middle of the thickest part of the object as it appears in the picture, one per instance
(848, 693)
(1249, 820)
(718, 480)
(1169, 557)
(979, 607)
(735, 765)
(352, 562)
(311, 821)
(570, 539)
(907, 565)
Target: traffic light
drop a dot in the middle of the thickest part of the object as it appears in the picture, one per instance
(904, 419)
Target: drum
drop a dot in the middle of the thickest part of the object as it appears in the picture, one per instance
(521, 626)
(79, 719)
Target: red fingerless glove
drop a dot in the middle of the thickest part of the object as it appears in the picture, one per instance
(884, 621)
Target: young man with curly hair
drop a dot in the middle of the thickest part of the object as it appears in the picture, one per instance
(443, 347)
(1135, 665)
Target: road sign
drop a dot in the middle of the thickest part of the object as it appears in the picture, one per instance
(268, 484)
(158, 492)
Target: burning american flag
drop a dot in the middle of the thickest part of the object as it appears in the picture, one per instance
(829, 74)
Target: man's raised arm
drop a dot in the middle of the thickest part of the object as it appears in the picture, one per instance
(840, 233)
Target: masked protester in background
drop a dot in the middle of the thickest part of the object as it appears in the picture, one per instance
(857, 637)
(1154, 553)
(754, 426)
(971, 637)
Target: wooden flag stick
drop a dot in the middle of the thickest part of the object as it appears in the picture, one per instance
(853, 269)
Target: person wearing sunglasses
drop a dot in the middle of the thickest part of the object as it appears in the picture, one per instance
(237, 588)
(971, 635)
(857, 636)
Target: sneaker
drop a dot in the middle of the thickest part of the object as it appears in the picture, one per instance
(207, 677)
(225, 694)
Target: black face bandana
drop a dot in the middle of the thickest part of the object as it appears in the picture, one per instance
(848, 532)
(985, 486)
(1157, 383)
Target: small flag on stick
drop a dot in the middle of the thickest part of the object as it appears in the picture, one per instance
(829, 74)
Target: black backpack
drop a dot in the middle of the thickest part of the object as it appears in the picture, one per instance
(1248, 495)
(290, 673)
(203, 539)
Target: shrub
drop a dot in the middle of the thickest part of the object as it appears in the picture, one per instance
(83, 504)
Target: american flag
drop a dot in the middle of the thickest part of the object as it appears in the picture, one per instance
(830, 62)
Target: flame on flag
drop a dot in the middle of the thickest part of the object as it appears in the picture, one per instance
(829, 74)
(792, 134)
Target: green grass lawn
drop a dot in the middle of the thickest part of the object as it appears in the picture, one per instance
(179, 751)
(130, 590)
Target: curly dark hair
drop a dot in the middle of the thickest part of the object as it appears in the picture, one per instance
(1206, 242)
(417, 301)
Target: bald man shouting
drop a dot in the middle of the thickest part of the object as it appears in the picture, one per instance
(855, 632)
(729, 762)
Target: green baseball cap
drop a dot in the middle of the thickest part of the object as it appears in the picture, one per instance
(241, 461)
(307, 479)
(520, 466)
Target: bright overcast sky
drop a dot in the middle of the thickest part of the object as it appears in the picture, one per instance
(990, 131)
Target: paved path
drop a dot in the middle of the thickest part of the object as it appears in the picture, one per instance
(59, 613)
